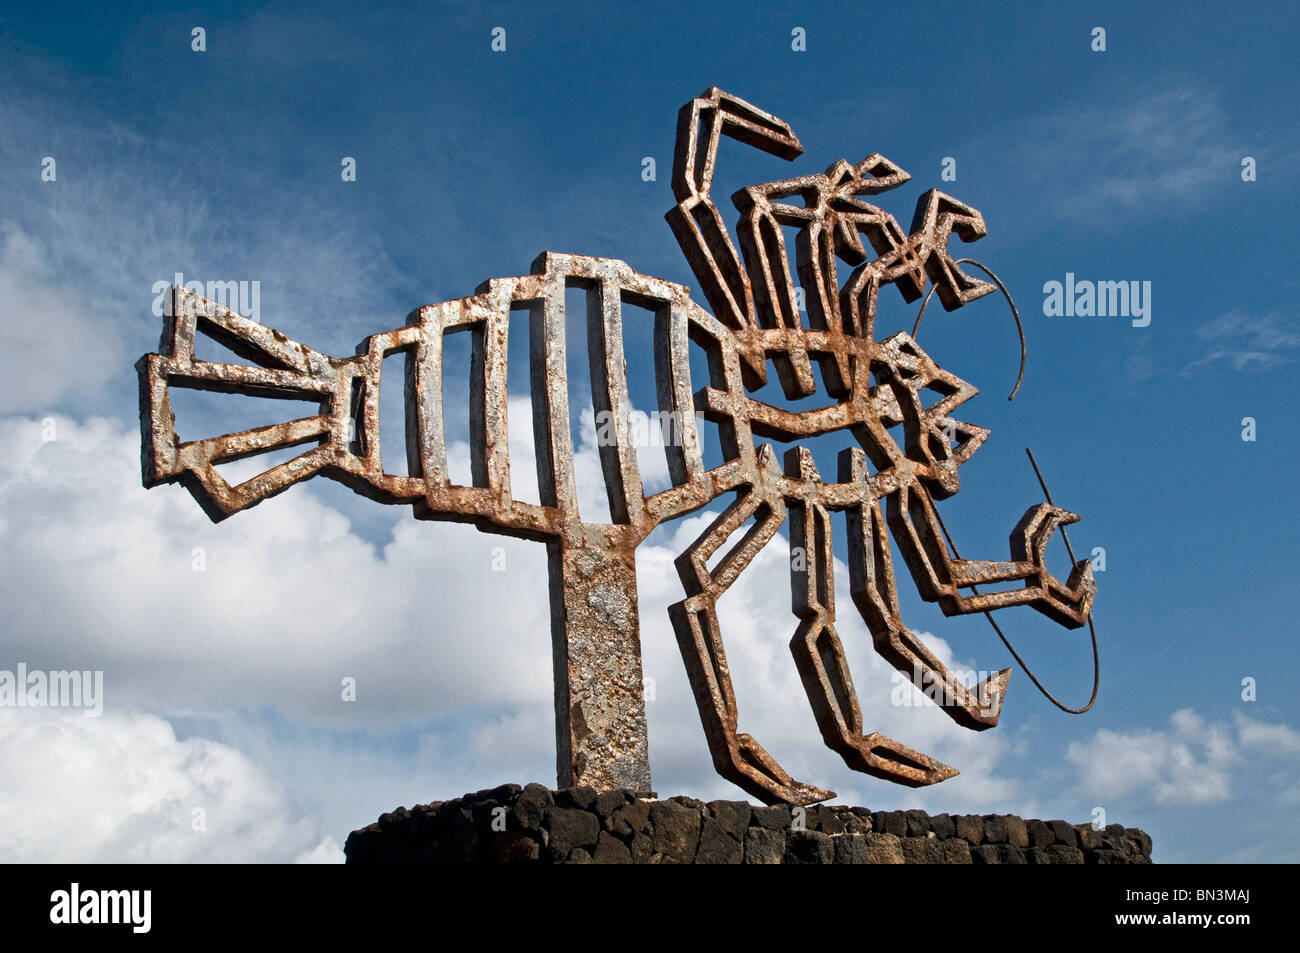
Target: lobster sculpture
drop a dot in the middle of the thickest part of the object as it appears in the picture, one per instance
(875, 386)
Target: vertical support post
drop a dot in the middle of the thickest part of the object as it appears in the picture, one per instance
(600, 720)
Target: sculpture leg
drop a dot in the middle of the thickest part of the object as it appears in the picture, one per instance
(875, 593)
(736, 756)
(824, 670)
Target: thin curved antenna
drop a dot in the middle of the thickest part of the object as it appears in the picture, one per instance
(1014, 313)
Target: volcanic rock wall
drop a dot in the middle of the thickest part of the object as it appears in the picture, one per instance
(533, 824)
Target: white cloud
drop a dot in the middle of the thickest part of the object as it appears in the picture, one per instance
(124, 788)
(1190, 763)
(100, 574)
(54, 338)
(1280, 739)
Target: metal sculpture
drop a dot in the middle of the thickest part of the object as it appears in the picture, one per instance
(876, 385)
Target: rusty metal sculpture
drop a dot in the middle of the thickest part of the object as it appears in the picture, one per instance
(876, 385)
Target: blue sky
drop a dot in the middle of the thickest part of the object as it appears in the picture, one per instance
(1116, 165)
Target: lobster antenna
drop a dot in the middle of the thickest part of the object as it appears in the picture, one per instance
(1014, 313)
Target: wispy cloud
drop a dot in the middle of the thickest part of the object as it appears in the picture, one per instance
(1246, 341)
(80, 255)
(1124, 155)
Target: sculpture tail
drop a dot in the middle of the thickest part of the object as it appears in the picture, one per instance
(279, 368)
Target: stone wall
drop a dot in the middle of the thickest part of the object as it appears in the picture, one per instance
(511, 824)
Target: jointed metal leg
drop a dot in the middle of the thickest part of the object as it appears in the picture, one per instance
(819, 654)
(736, 756)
